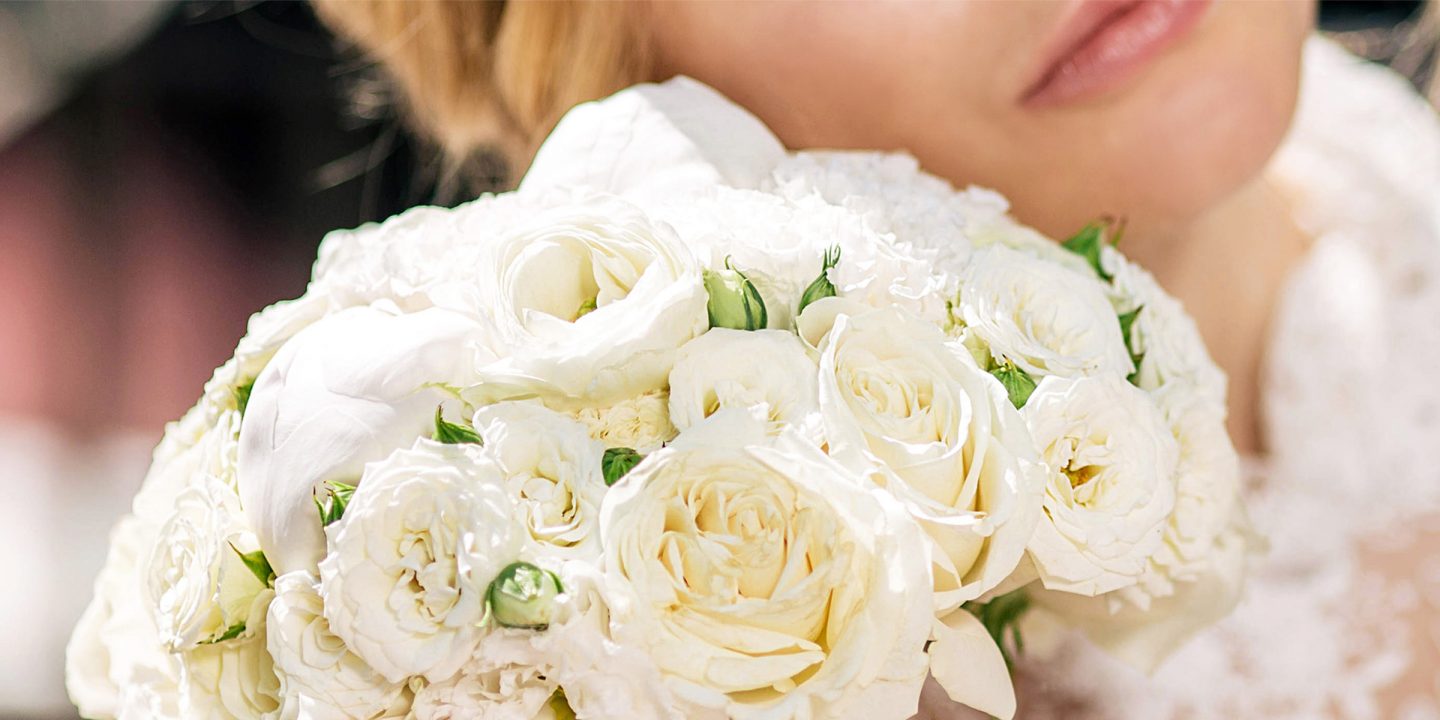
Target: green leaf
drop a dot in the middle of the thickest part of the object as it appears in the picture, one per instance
(560, 705)
(1127, 324)
(1001, 615)
(258, 564)
(617, 462)
(734, 302)
(454, 433)
(242, 395)
(1018, 383)
(338, 496)
(821, 287)
(1088, 242)
(230, 633)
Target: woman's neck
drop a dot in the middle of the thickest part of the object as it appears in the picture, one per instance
(1228, 268)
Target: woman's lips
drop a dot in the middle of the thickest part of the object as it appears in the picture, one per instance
(1104, 42)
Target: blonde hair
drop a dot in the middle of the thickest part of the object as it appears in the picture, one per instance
(496, 75)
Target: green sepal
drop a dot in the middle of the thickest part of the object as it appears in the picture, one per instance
(1018, 383)
(1127, 324)
(1088, 242)
(821, 287)
(242, 395)
(454, 433)
(1001, 616)
(617, 462)
(258, 564)
(338, 498)
(230, 633)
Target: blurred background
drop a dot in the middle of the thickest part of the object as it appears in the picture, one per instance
(165, 170)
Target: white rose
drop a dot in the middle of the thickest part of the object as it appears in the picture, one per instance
(234, 678)
(409, 562)
(1111, 459)
(552, 472)
(736, 369)
(343, 392)
(591, 301)
(1174, 353)
(641, 423)
(320, 679)
(769, 581)
(1041, 316)
(511, 692)
(115, 666)
(955, 451)
(197, 581)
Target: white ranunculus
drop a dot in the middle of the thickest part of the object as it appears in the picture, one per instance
(769, 581)
(591, 301)
(736, 369)
(320, 679)
(234, 679)
(197, 581)
(954, 450)
(343, 392)
(551, 469)
(641, 423)
(1041, 316)
(1111, 489)
(409, 562)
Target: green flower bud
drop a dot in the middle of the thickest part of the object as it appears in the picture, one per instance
(821, 287)
(523, 596)
(734, 301)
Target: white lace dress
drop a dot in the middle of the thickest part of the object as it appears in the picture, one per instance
(1341, 618)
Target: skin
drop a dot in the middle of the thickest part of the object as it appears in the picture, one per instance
(1178, 148)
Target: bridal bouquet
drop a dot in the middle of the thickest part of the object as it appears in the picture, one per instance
(675, 450)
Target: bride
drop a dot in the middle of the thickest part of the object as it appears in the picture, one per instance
(1287, 192)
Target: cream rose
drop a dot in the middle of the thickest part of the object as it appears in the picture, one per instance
(320, 679)
(1043, 317)
(768, 580)
(551, 469)
(953, 449)
(1111, 461)
(641, 423)
(737, 369)
(199, 585)
(408, 565)
(591, 301)
(343, 392)
(1174, 354)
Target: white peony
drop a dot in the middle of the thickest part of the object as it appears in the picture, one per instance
(1111, 460)
(736, 369)
(200, 586)
(769, 581)
(551, 469)
(320, 679)
(591, 301)
(1044, 318)
(232, 679)
(951, 446)
(343, 392)
(409, 562)
(641, 423)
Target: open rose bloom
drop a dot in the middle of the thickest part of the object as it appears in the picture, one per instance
(687, 426)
